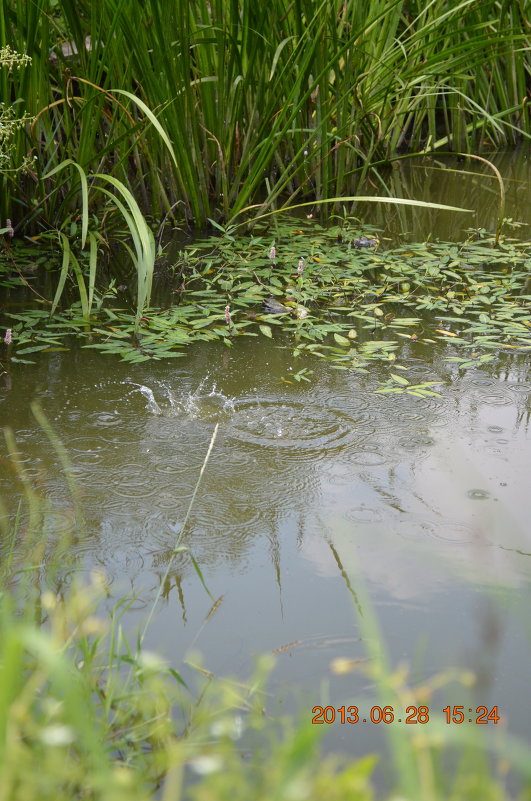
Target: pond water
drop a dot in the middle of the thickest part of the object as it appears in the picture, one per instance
(316, 496)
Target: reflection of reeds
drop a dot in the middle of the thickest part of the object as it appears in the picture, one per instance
(432, 759)
(34, 519)
(177, 547)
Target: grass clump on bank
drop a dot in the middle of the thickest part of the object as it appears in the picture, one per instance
(164, 111)
(202, 110)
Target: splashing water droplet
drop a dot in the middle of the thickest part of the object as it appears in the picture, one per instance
(151, 405)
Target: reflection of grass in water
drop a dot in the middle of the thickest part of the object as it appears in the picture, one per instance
(83, 714)
(37, 517)
(436, 757)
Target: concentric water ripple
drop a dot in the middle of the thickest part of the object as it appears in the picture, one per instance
(520, 389)
(368, 457)
(364, 514)
(87, 451)
(500, 398)
(133, 482)
(457, 533)
(416, 442)
(297, 429)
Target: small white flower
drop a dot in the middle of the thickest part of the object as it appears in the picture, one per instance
(228, 727)
(57, 735)
(152, 662)
(206, 764)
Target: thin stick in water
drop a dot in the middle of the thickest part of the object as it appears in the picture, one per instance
(181, 532)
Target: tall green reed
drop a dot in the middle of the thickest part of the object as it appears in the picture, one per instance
(262, 104)
(143, 256)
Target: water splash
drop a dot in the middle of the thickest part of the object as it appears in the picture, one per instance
(201, 404)
(151, 405)
(205, 405)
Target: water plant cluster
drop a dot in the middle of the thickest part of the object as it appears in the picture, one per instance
(10, 123)
(203, 110)
(318, 291)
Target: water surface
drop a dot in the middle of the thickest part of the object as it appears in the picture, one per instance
(315, 495)
(309, 489)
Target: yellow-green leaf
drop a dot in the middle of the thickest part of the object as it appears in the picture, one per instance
(400, 379)
(341, 340)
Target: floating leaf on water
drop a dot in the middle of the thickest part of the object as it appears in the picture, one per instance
(400, 379)
(346, 285)
(266, 331)
(341, 340)
(32, 349)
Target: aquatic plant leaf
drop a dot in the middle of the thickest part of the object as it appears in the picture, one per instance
(341, 340)
(84, 192)
(399, 379)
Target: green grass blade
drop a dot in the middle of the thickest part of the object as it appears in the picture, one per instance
(84, 192)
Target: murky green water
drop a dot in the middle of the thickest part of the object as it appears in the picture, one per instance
(467, 184)
(310, 490)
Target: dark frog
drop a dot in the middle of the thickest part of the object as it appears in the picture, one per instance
(363, 242)
(272, 306)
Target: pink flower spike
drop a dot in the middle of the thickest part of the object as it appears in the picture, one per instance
(300, 267)
(7, 338)
(273, 253)
(227, 315)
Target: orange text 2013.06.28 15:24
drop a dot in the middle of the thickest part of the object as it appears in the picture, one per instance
(411, 714)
